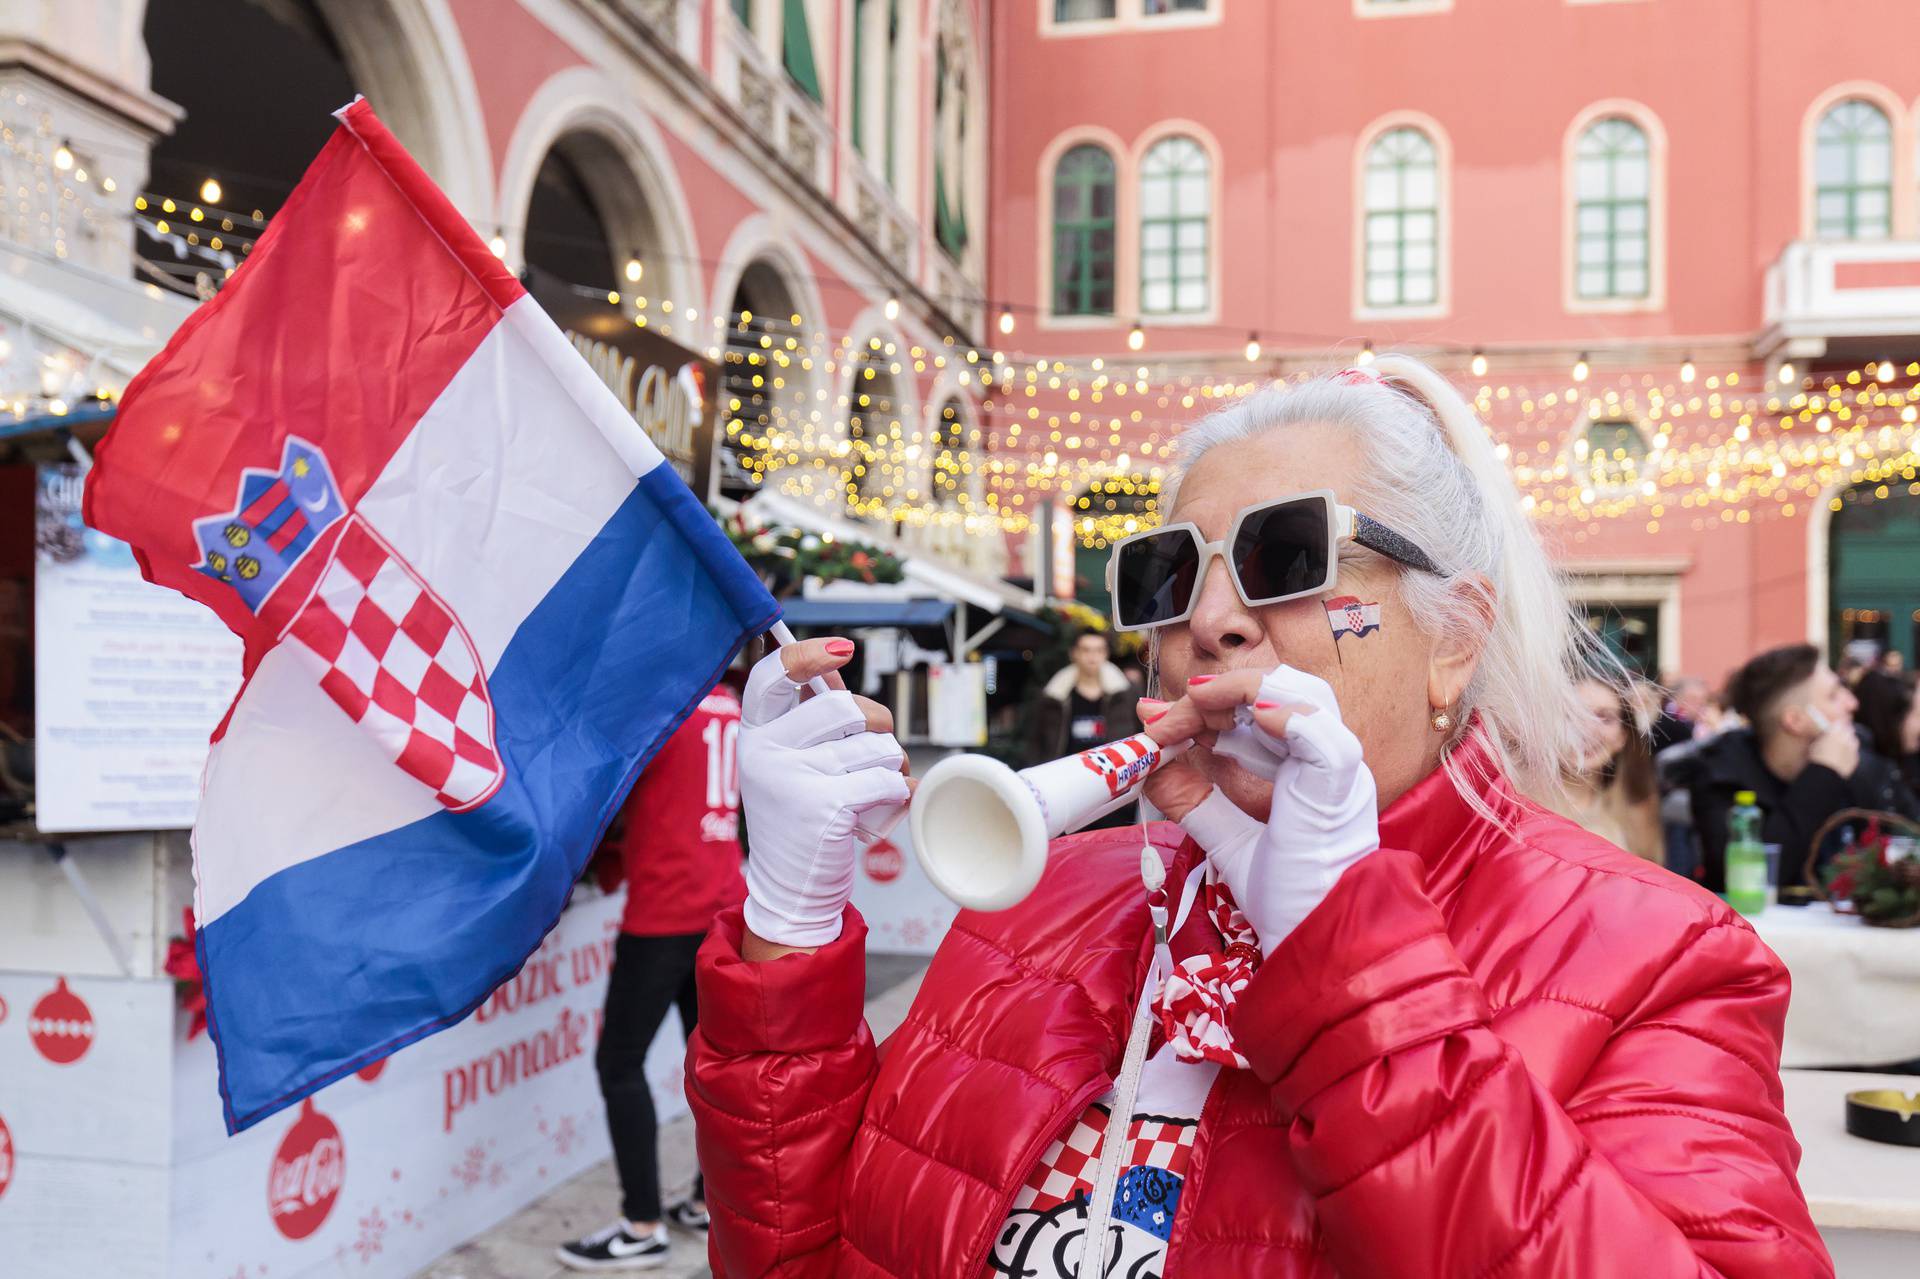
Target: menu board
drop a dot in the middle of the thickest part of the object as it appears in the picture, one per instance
(129, 678)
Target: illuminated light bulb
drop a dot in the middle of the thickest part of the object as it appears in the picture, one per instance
(1006, 319)
(57, 407)
(893, 308)
(1581, 368)
(109, 185)
(1786, 372)
(613, 296)
(498, 246)
(1885, 372)
(1366, 354)
(63, 157)
(1253, 347)
(1687, 371)
(1136, 337)
(1479, 365)
(210, 192)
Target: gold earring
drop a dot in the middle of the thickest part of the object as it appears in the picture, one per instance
(1442, 722)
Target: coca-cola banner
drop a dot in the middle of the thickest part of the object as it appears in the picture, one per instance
(113, 1159)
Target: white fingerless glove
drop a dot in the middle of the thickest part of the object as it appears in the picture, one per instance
(807, 771)
(1324, 815)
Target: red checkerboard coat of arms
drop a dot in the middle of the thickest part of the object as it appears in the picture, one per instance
(380, 642)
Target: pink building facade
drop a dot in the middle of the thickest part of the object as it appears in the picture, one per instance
(1701, 207)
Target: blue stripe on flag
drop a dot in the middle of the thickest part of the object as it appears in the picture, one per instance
(334, 963)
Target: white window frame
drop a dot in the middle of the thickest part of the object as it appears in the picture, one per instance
(1399, 8)
(1128, 295)
(1649, 124)
(1125, 227)
(1442, 142)
(1901, 217)
(1128, 16)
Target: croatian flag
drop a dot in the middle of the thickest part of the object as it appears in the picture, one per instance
(1349, 616)
(475, 598)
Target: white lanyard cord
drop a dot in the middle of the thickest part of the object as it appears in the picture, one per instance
(1093, 1258)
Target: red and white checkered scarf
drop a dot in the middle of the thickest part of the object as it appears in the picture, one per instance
(1196, 1000)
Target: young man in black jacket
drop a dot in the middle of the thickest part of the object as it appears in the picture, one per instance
(1801, 757)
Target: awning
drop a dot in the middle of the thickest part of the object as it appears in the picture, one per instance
(839, 614)
(921, 570)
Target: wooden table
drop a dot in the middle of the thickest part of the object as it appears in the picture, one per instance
(1865, 1195)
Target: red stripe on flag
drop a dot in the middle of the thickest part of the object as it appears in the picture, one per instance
(289, 529)
(408, 292)
(264, 505)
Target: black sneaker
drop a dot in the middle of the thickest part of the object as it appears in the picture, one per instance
(615, 1248)
(688, 1214)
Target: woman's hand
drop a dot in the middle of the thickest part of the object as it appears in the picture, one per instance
(809, 766)
(1324, 815)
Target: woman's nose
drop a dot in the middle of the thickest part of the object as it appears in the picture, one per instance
(1220, 622)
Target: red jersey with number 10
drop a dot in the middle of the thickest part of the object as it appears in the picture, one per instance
(681, 850)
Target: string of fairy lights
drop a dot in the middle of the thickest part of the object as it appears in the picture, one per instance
(822, 416)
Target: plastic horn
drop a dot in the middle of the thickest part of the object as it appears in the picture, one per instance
(981, 830)
(877, 823)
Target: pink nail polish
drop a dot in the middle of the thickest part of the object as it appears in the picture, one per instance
(1266, 706)
(840, 648)
(1152, 701)
(1199, 679)
(1156, 715)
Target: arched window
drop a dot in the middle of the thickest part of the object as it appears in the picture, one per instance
(1176, 213)
(872, 467)
(1853, 173)
(1613, 210)
(950, 462)
(1083, 231)
(1611, 453)
(1402, 202)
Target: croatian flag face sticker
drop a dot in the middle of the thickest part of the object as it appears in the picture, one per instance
(1348, 615)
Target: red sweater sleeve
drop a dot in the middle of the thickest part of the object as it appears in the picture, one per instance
(777, 1075)
(1431, 1150)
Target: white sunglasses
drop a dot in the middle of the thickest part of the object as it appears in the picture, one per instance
(1275, 551)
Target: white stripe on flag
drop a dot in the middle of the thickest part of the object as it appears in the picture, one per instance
(515, 469)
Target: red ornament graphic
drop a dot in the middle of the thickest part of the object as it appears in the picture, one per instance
(61, 1025)
(307, 1174)
(3, 1010)
(883, 861)
(6, 1158)
(371, 1071)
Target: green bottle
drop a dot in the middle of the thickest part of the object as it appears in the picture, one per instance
(1746, 857)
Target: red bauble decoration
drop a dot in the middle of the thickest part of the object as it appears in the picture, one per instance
(61, 1025)
(371, 1071)
(6, 1158)
(308, 1170)
(883, 861)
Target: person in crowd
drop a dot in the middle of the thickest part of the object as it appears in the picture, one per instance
(680, 850)
(1414, 1025)
(1890, 714)
(1613, 792)
(1892, 662)
(1679, 717)
(1087, 703)
(1801, 757)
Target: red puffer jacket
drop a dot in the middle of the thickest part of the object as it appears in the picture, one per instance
(1487, 1053)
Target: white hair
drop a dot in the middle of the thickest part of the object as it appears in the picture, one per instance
(1430, 472)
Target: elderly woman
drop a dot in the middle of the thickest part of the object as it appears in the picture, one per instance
(1415, 1025)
